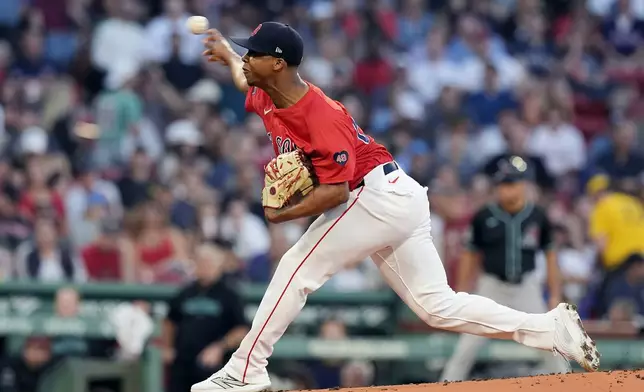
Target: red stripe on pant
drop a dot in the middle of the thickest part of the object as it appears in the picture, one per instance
(291, 279)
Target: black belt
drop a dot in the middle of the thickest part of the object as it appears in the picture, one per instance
(386, 168)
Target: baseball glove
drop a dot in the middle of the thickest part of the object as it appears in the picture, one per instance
(288, 175)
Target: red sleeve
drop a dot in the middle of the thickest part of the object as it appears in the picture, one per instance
(88, 257)
(334, 154)
(86, 253)
(26, 206)
(59, 205)
(388, 23)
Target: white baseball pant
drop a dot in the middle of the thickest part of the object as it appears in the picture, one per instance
(526, 296)
(387, 219)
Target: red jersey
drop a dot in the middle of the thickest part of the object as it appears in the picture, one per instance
(325, 131)
(28, 205)
(102, 264)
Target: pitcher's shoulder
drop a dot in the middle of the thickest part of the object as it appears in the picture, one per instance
(325, 105)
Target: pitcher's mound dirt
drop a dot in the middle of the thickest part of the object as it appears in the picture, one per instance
(623, 381)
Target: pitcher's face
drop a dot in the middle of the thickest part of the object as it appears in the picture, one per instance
(259, 67)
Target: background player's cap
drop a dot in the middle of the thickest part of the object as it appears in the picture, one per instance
(512, 169)
(275, 39)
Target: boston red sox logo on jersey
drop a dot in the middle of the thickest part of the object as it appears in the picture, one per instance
(283, 144)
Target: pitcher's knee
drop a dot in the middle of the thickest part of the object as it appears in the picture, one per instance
(441, 306)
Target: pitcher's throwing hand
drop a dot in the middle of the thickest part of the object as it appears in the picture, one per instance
(218, 48)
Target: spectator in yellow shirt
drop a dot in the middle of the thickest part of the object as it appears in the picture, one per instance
(616, 223)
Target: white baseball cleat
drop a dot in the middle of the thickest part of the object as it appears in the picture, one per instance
(221, 381)
(571, 340)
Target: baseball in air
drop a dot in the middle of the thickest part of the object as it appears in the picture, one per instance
(198, 24)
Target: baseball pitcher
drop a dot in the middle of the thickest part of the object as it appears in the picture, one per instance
(367, 206)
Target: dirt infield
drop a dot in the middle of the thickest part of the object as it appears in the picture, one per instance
(627, 381)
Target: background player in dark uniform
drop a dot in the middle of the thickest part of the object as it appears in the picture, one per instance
(205, 323)
(505, 238)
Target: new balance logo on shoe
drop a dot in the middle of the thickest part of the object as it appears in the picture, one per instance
(222, 382)
(227, 382)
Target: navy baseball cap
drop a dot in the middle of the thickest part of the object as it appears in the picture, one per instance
(511, 170)
(275, 39)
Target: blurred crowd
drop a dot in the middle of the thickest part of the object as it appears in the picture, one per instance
(26, 370)
(123, 150)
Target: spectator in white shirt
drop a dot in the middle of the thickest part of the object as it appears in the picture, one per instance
(46, 259)
(605, 7)
(576, 265)
(119, 38)
(160, 30)
(247, 232)
(472, 49)
(559, 143)
(472, 73)
(431, 72)
(330, 69)
(491, 140)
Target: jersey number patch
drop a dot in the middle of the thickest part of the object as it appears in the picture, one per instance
(361, 136)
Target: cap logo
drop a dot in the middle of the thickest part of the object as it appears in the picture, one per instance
(278, 50)
(259, 26)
